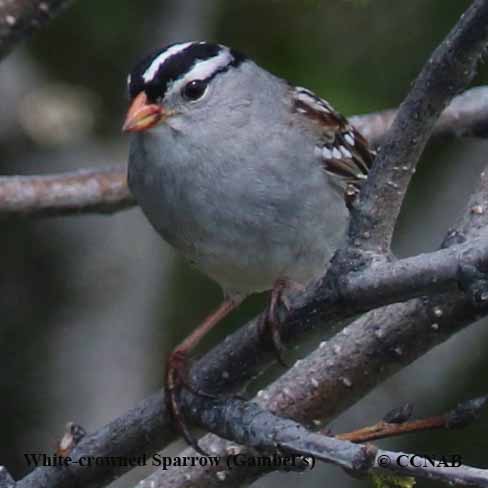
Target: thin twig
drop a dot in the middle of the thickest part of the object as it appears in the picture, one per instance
(383, 430)
(463, 415)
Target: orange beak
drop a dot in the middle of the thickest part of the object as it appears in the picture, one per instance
(142, 115)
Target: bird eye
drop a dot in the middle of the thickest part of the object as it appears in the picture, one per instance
(194, 90)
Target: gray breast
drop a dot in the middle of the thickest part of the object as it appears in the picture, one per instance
(244, 224)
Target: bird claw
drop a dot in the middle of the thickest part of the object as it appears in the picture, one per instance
(177, 371)
(176, 379)
(269, 322)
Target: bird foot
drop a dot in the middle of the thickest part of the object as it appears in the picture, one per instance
(177, 371)
(270, 323)
(176, 379)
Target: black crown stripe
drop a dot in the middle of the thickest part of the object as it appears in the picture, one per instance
(175, 67)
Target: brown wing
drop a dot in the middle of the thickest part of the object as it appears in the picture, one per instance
(343, 151)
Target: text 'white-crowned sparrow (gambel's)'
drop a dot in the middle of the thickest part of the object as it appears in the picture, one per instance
(244, 174)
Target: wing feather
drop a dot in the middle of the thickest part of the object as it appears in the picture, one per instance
(342, 149)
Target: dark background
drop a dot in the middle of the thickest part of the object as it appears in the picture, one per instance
(90, 305)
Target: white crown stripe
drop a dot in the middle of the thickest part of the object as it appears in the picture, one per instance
(204, 69)
(154, 66)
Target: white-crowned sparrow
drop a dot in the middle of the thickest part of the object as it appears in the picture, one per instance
(244, 174)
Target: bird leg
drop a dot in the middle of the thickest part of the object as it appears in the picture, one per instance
(177, 368)
(269, 322)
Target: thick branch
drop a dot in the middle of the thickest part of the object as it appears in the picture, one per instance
(448, 71)
(80, 191)
(19, 19)
(250, 425)
(348, 366)
(148, 427)
(336, 375)
(263, 433)
(422, 274)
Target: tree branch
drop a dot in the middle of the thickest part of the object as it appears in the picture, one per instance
(383, 430)
(265, 434)
(102, 191)
(466, 116)
(335, 376)
(19, 19)
(386, 344)
(343, 369)
(459, 417)
(248, 424)
(448, 71)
